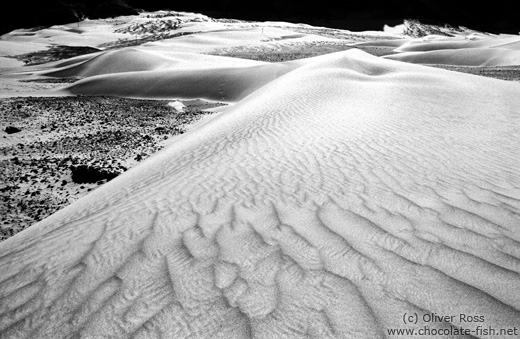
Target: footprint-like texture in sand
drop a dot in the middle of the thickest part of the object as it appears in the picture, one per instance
(330, 200)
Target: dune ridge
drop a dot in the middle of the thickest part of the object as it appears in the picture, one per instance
(463, 57)
(464, 48)
(336, 195)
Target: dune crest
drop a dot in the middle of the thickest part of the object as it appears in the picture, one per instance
(465, 50)
(329, 201)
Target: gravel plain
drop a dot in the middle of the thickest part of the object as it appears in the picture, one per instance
(54, 150)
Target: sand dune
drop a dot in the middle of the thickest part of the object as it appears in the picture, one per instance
(462, 57)
(69, 35)
(138, 60)
(464, 49)
(342, 193)
(221, 37)
(433, 43)
(147, 73)
(222, 84)
(196, 33)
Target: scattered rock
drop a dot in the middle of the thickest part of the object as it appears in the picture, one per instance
(178, 106)
(82, 174)
(100, 134)
(12, 129)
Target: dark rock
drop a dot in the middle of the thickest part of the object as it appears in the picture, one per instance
(82, 174)
(12, 129)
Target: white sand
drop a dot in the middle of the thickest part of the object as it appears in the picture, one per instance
(474, 50)
(140, 60)
(462, 57)
(465, 48)
(336, 195)
(15, 48)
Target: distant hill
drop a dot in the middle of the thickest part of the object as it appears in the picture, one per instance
(500, 17)
(29, 14)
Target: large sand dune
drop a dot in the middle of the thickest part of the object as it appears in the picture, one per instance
(135, 73)
(338, 196)
(328, 203)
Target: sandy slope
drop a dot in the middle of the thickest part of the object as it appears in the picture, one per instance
(465, 50)
(218, 84)
(462, 57)
(336, 196)
(328, 203)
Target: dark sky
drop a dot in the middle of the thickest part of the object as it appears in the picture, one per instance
(496, 16)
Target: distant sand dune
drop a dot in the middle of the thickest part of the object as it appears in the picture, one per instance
(478, 50)
(462, 57)
(222, 84)
(339, 194)
(479, 41)
(462, 50)
(132, 73)
(137, 60)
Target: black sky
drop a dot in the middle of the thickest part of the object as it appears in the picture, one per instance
(496, 16)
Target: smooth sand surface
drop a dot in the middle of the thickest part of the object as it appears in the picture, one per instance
(336, 197)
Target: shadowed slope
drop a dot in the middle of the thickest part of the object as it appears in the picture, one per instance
(148, 74)
(327, 204)
(222, 84)
(140, 60)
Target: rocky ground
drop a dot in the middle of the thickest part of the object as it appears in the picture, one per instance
(54, 53)
(509, 73)
(287, 51)
(54, 150)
